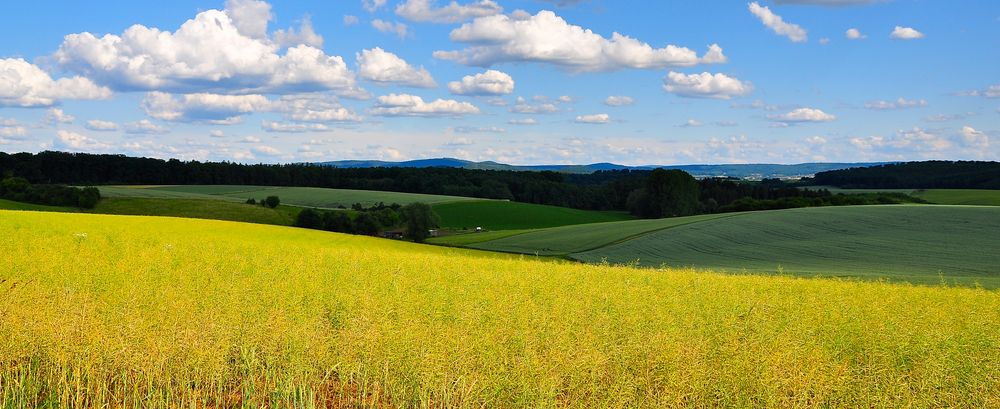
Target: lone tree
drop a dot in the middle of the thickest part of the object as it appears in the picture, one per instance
(272, 201)
(420, 219)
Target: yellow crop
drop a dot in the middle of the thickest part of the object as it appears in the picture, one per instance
(119, 311)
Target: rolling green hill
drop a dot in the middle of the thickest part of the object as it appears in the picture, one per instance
(506, 215)
(960, 196)
(921, 244)
(198, 209)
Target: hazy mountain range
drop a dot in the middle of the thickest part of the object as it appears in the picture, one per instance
(757, 170)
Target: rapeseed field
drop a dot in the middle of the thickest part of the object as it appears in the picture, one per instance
(133, 311)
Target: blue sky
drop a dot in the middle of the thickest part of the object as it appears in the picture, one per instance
(521, 82)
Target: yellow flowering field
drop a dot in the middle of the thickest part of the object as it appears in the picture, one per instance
(132, 311)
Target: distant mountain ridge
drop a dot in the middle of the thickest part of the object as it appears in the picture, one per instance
(743, 171)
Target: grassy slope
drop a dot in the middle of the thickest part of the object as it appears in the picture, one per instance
(922, 244)
(198, 209)
(465, 239)
(571, 239)
(311, 196)
(12, 205)
(188, 313)
(961, 196)
(505, 215)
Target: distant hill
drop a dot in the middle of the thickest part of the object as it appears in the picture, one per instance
(753, 171)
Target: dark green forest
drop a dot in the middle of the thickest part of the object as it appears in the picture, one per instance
(916, 175)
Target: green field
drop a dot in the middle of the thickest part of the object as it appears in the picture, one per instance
(311, 196)
(507, 215)
(12, 205)
(979, 197)
(921, 244)
(560, 241)
(197, 209)
(135, 311)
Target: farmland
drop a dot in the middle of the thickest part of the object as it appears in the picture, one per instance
(298, 196)
(919, 244)
(126, 310)
(506, 215)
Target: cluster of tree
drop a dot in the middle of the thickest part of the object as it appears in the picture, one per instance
(270, 201)
(750, 204)
(418, 219)
(20, 190)
(916, 175)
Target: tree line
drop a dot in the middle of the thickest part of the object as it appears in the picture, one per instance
(644, 193)
(416, 219)
(20, 190)
(916, 175)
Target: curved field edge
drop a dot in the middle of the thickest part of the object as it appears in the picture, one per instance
(561, 241)
(122, 310)
(927, 244)
(508, 215)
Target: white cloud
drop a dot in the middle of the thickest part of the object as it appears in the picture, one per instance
(314, 108)
(305, 35)
(389, 27)
(249, 139)
(412, 105)
(593, 119)
(521, 106)
(57, 116)
(705, 85)
(803, 115)
(482, 129)
(491, 82)
(726, 123)
(286, 127)
(13, 131)
(777, 24)
(854, 34)
(816, 140)
(68, 140)
(618, 101)
(215, 133)
(526, 121)
(905, 33)
(916, 140)
(824, 41)
(425, 11)
(250, 16)
(101, 126)
(547, 38)
(385, 68)
(215, 52)
(351, 20)
(146, 127)
(203, 108)
(900, 103)
(23, 84)
(372, 5)
(460, 142)
(266, 150)
(974, 139)
(692, 123)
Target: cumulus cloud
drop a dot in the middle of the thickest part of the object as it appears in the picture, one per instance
(691, 123)
(412, 105)
(202, 108)
(705, 85)
(773, 21)
(905, 33)
(618, 101)
(385, 68)
(250, 16)
(101, 126)
(372, 5)
(900, 103)
(993, 91)
(526, 121)
(23, 84)
(305, 35)
(217, 51)
(593, 119)
(481, 129)
(350, 20)
(9, 129)
(974, 139)
(547, 38)
(314, 108)
(286, 127)
(389, 27)
(68, 140)
(521, 106)
(491, 82)
(57, 116)
(145, 127)
(803, 115)
(424, 11)
(854, 34)
(266, 150)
